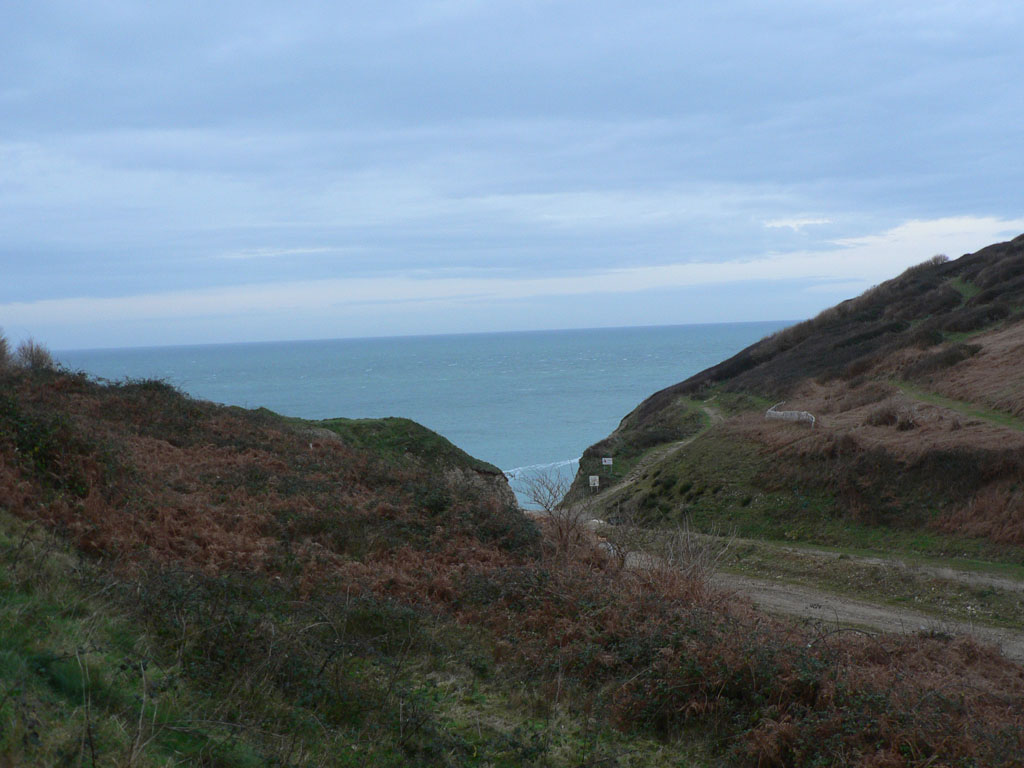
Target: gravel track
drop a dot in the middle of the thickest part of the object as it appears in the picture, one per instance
(803, 602)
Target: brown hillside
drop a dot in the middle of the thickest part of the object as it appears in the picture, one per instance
(921, 309)
(139, 471)
(293, 576)
(917, 388)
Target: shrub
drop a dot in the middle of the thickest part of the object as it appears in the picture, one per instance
(49, 447)
(856, 368)
(5, 352)
(34, 356)
(890, 414)
(944, 358)
(905, 421)
(867, 394)
(926, 335)
(883, 416)
(977, 318)
(1001, 272)
(999, 291)
(935, 302)
(935, 261)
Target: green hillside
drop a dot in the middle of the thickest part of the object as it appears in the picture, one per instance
(917, 389)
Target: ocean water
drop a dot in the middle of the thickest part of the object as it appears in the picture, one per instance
(523, 401)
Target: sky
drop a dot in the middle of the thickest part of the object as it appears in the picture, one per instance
(193, 172)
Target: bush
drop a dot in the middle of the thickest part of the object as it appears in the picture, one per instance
(866, 394)
(883, 416)
(890, 414)
(1001, 272)
(926, 335)
(5, 352)
(998, 292)
(935, 302)
(945, 358)
(34, 356)
(977, 318)
(925, 266)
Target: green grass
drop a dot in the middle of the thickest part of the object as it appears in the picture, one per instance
(966, 288)
(79, 685)
(718, 484)
(972, 410)
(634, 443)
(397, 438)
(713, 481)
(958, 337)
(905, 584)
(1009, 568)
(92, 674)
(732, 403)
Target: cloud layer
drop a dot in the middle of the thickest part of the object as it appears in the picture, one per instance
(182, 172)
(342, 306)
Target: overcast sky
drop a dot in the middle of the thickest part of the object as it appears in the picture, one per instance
(185, 172)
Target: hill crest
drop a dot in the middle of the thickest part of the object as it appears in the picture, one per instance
(917, 387)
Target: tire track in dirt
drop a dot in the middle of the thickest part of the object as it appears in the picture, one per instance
(944, 572)
(831, 609)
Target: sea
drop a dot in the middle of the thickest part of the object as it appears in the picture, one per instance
(527, 402)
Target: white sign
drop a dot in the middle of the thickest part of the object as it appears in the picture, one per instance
(606, 461)
(595, 481)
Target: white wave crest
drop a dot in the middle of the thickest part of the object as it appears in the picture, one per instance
(536, 469)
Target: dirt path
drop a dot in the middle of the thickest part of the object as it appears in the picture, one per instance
(799, 601)
(804, 602)
(947, 573)
(714, 414)
(660, 453)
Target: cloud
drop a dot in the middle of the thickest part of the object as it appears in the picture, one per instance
(853, 261)
(246, 254)
(796, 225)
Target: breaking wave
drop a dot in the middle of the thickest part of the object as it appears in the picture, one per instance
(540, 469)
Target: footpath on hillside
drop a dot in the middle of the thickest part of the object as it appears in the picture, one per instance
(823, 601)
(661, 452)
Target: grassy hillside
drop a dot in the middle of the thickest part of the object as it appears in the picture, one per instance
(189, 584)
(917, 388)
(398, 439)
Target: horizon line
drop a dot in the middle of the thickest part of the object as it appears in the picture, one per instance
(384, 337)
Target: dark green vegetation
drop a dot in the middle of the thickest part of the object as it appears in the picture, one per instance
(397, 439)
(922, 308)
(176, 668)
(725, 483)
(918, 389)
